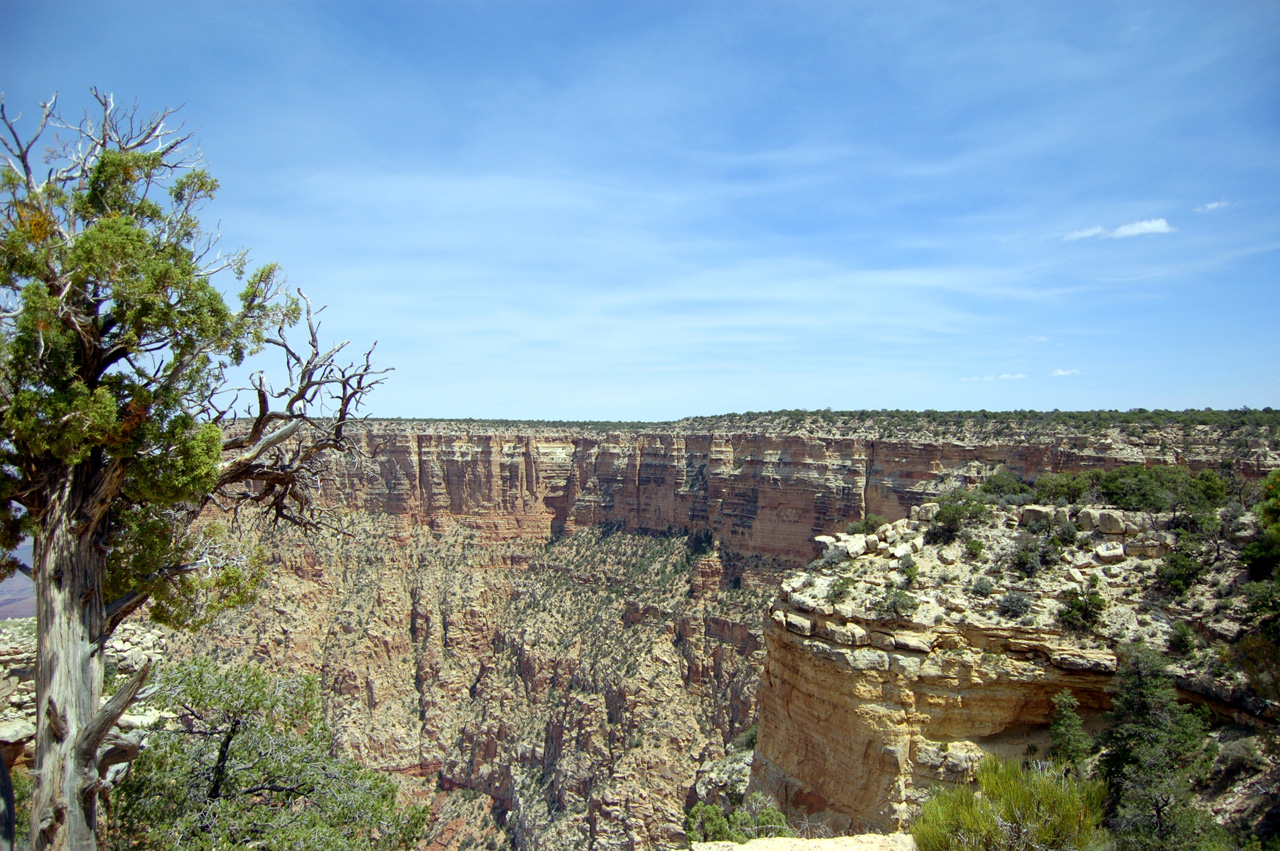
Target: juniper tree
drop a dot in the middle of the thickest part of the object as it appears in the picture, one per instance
(250, 762)
(1148, 749)
(115, 430)
(1068, 741)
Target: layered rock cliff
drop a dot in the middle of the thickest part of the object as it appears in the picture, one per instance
(894, 667)
(540, 616)
(762, 494)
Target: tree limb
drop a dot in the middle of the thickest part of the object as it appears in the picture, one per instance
(93, 734)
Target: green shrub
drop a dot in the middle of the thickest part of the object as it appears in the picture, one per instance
(838, 590)
(1065, 532)
(707, 823)
(1026, 560)
(1068, 742)
(1081, 611)
(746, 740)
(955, 511)
(1180, 570)
(1258, 653)
(973, 548)
(1164, 487)
(982, 587)
(1182, 640)
(756, 818)
(867, 525)
(699, 543)
(1239, 757)
(1014, 808)
(1003, 483)
(1015, 604)
(1067, 487)
(1150, 746)
(252, 759)
(910, 572)
(897, 603)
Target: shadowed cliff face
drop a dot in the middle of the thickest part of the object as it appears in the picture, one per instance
(521, 614)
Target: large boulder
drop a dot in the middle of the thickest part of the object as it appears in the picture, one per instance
(854, 545)
(1111, 521)
(1108, 521)
(1109, 553)
(1032, 514)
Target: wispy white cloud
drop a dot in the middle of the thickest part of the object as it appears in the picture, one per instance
(1004, 376)
(1096, 230)
(1058, 373)
(1215, 205)
(1141, 228)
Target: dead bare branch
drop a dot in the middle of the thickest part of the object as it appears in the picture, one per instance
(274, 454)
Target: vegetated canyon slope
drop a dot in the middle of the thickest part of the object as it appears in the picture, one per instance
(538, 615)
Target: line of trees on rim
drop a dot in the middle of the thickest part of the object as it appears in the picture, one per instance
(118, 422)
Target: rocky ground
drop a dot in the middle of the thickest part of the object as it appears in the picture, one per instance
(129, 649)
(863, 842)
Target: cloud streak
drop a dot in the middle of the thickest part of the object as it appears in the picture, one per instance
(1215, 205)
(1059, 373)
(1142, 228)
(1004, 376)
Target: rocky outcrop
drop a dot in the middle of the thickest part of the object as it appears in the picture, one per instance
(128, 650)
(860, 717)
(886, 676)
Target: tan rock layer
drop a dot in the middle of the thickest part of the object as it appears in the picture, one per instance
(859, 717)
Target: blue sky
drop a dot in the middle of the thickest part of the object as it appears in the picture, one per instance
(648, 210)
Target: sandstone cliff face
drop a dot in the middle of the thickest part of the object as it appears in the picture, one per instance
(856, 734)
(864, 706)
(763, 495)
(580, 686)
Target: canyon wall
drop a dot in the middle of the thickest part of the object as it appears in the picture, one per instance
(537, 615)
(761, 494)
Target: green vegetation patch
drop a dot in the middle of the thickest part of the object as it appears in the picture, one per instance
(1013, 808)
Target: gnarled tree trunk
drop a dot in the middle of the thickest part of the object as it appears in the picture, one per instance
(68, 570)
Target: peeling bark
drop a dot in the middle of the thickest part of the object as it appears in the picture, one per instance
(69, 565)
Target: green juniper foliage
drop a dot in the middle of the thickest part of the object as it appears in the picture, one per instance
(1080, 612)
(755, 818)
(1068, 742)
(115, 345)
(1149, 749)
(867, 525)
(250, 762)
(956, 511)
